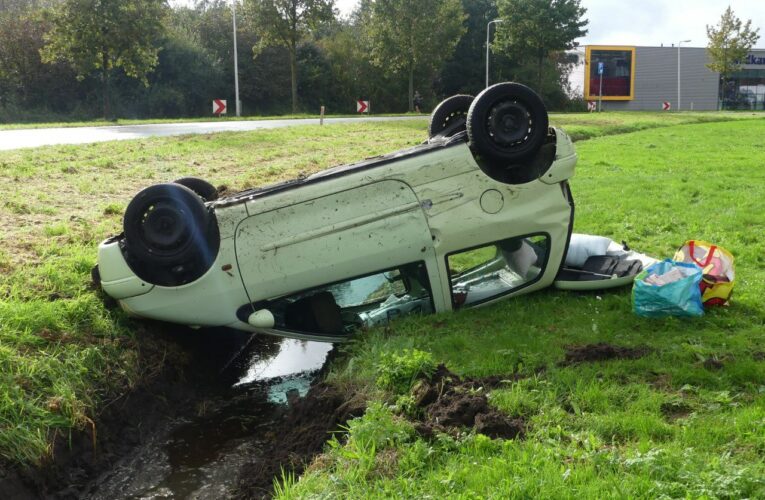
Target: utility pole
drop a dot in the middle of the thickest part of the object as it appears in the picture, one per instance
(488, 26)
(678, 70)
(236, 66)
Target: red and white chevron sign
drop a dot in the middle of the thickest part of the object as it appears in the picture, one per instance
(362, 106)
(666, 106)
(219, 107)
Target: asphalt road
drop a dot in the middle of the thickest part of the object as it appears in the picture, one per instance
(32, 138)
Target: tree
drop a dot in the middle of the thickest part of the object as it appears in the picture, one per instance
(537, 28)
(463, 72)
(286, 23)
(101, 35)
(406, 35)
(729, 42)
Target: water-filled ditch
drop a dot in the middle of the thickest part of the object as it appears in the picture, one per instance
(199, 452)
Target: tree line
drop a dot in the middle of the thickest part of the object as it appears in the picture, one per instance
(80, 59)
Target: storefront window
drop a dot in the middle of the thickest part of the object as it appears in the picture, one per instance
(610, 73)
(745, 90)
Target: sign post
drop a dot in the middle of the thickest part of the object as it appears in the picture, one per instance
(600, 91)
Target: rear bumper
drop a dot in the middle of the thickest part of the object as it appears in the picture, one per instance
(116, 277)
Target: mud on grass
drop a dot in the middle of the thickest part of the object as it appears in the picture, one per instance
(445, 403)
(300, 434)
(601, 351)
(448, 404)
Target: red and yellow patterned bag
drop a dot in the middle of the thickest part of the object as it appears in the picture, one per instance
(716, 264)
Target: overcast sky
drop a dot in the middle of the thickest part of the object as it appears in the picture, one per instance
(653, 22)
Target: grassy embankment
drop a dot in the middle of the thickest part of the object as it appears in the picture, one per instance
(62, 354)
(686, 420)
(589, 124)
(150, 121)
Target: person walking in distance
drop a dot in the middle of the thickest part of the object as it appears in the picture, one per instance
(417, 101)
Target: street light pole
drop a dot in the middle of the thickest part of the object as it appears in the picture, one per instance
(236, 65)
(488, 26)
(678, 71)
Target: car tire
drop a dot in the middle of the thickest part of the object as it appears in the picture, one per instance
(507, 123)
(168, 225)
(200, 186)
(450, 116)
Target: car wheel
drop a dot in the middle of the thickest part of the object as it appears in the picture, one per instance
(450, 116)
(200, 186)
(168, 225)
(507, 123)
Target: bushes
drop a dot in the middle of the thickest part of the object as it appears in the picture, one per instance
(397, 372)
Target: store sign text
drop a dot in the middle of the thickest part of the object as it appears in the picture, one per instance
(753, 59)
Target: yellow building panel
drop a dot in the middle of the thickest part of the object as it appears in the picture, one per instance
(587, 73)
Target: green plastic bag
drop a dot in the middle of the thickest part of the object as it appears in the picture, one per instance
(668, 288)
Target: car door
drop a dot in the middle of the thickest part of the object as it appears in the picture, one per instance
(333, 263)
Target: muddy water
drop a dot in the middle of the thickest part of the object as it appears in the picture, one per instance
(199, 454)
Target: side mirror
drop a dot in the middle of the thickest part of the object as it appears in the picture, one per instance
(262, 318)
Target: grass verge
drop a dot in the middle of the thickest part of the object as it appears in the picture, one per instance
(150, 121)
(63, 354)
(684, 420)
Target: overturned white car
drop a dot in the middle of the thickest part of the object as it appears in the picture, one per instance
(480, 212)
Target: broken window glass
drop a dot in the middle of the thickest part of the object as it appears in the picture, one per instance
(365, 301)
(487, 272)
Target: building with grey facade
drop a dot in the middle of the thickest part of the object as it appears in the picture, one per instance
(622, 78)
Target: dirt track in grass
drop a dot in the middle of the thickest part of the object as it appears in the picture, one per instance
(601, 352)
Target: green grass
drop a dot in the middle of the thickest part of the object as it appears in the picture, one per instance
(63, 355)
(582, 126)
(578, 125)
(665, 425)
(148, 121)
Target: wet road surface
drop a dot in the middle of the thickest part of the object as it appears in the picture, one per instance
(32, 138)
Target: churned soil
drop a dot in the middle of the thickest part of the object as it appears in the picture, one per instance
(178, 374)
(449, 403)
(305, 425)
(602, 351)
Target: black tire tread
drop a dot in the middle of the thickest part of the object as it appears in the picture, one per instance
(204, 189)
(447, 109)
(479, 112)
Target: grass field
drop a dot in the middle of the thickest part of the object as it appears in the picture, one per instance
(62, 354)
(147, 121)
(686, 420)
(580, 125)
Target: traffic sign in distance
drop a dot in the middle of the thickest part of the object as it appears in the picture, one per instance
(666, 106)
(592, 106)
(362, 106)
(219, 107)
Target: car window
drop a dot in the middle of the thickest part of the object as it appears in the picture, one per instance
(487, 272)
(366, 301)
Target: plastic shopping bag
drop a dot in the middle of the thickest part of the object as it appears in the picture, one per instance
(718, 273)
(668, 288)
